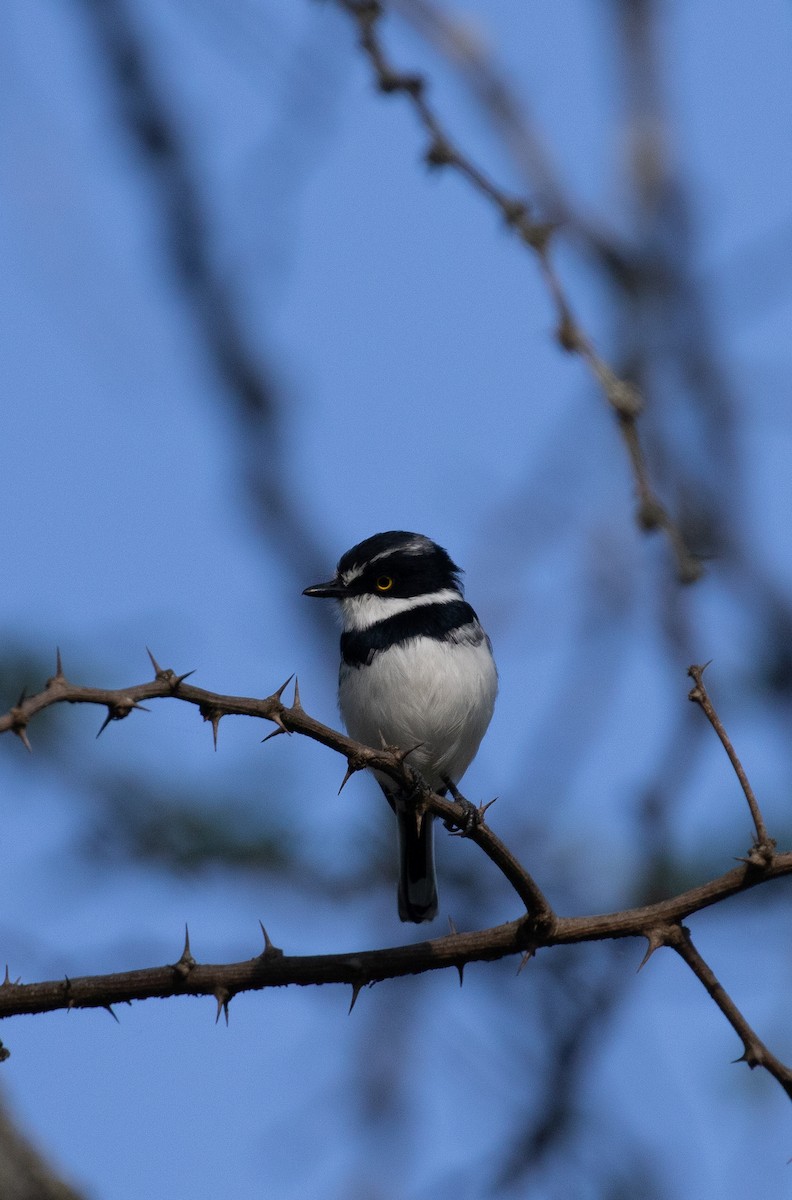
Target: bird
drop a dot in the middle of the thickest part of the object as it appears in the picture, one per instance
(417, 673)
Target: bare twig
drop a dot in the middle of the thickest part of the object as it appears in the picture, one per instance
(448, 33)
(764, 846)
(620, 394)
(755, 1052)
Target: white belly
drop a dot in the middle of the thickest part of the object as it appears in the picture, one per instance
(437, 693)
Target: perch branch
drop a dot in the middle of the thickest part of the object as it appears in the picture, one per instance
(121, 702)
(539, 927)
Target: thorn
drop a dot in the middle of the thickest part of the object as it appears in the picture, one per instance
(157, 668)
(166, 675)
(355, 763)
(213, 715)
(119, 711)
(275, 733)
(20, 720)
(654, 942)
(696, 672)
(278, 720)
(106, 722)
(483, 807)
(296, 703)
(402, 754)
(357, 988)
(526, 958)
(21, 732)
(270, 950)
(276, 695)
(58, 677)
(350, 771)
(7, 980)
(223, 997)
(699, 669)
(760, 855)
(751, 1056)
(109, 1008)
(186, 963)
(460, 966)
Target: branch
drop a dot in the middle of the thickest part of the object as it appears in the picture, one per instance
(272, 968)
(213, 706)
(764, 846)
(755, 1052)
(659, 924)
(620, 393)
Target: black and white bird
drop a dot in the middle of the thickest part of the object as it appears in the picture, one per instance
(416, 671)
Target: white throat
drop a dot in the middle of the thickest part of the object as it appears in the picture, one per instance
(360, 612)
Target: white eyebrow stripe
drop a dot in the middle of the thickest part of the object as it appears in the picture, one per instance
(414, 547)
(352, 573)
(417, 546)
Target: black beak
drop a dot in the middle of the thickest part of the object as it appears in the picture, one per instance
(333, 588)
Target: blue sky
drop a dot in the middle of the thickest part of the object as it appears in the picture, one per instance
(410, 341)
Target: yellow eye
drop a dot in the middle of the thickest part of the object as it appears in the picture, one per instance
(384, 583)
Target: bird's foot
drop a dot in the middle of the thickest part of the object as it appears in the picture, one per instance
(471, 814)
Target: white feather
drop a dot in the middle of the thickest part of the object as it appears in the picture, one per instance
(360, 612)
(437, 693)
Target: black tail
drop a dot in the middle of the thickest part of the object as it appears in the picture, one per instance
(417, 882)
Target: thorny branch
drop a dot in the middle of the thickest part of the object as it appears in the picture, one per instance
(539, 927)
(537, 235)
(755, 1053)
(287, 719)
(764, 845)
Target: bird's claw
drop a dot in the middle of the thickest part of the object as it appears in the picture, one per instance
(471, 817)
